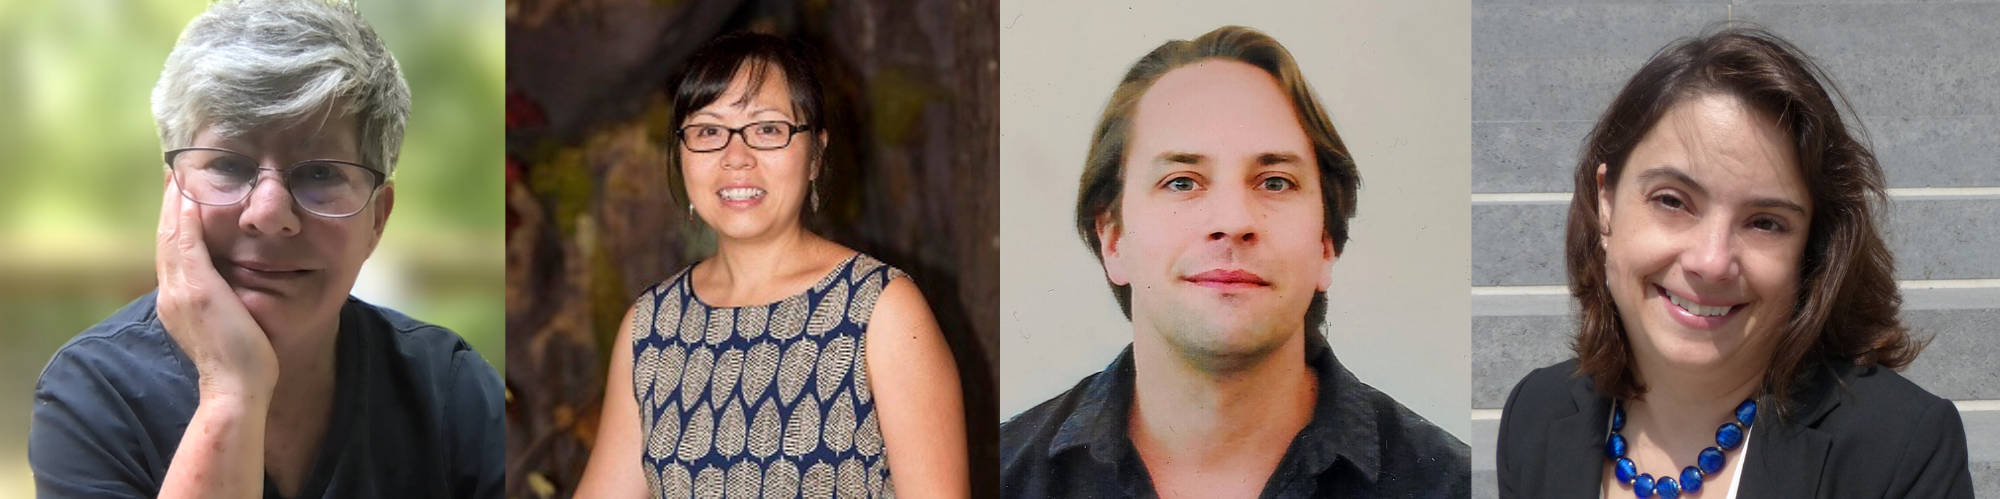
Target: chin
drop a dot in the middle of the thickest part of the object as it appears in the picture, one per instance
(742, 227)
(1695, 349)
(279, 315)
(1231, 337)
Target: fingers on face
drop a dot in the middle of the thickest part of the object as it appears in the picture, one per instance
(180, 240)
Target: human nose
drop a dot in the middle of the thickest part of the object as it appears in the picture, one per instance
(1231, 215)
(269, 209)
(1712, 254)
(736, 154)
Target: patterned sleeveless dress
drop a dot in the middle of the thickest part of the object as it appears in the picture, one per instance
(761, 401)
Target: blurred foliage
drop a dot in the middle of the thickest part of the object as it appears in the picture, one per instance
(80, 177)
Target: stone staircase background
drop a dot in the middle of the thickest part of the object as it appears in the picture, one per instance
(1924, 80)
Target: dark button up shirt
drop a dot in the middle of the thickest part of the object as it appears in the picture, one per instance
(1360, 443)
(416, 412)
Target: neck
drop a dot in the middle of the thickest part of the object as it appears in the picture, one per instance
(305, 372)
(1208, 419)
(1683, 407)
(762, 259)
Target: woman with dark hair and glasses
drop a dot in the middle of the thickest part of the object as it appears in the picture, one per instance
(1738, 329)
(785, 365)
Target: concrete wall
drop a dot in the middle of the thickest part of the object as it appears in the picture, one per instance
(1924, 80)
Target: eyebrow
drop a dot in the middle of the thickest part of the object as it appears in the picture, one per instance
(1179, 158)
(1190, 158)
(1278, 158)
(759, 111)
(1667, 173)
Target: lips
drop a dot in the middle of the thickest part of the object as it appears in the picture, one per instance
(740, 194)
(262, 274)
(1228, 279)
(1694, 308)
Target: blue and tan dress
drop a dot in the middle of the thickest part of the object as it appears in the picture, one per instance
(761, 401)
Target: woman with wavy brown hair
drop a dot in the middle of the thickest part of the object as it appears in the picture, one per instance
(1737, 331)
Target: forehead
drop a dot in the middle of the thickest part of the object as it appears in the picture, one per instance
(1724, 143)
(772, 95)
(1219, 108)
(332, 133)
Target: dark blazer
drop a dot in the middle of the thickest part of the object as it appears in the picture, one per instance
(1855, 432)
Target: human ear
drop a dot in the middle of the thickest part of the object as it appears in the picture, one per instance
(1330, 255)
(1603, 206)
(1108, 233)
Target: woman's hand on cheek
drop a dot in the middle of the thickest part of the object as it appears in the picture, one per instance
(203, 314)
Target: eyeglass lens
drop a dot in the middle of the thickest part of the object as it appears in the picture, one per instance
(219, 178)
(759, 135)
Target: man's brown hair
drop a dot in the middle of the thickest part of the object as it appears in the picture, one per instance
(1103, 172)
(1847, 301)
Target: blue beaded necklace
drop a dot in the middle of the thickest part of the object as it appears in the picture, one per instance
(1727, 437)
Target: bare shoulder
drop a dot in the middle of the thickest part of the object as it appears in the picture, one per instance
(901, 310)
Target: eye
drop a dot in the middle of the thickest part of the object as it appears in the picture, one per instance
(1181, 184)
(1770, 224)
(706, 130)
(1277, 184)
(318, 172)
(1670, 201)
(770, 128)
(231, 165)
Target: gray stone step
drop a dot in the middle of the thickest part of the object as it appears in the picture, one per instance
(1584, 31)
(1982, 431)
(1521, 244)
(1518, 334)
(1881, 28)
(1921, 151)
(1565, 62)
(1579, 88)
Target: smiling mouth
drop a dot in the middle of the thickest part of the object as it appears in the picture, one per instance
(1695, 308)
(741, 194)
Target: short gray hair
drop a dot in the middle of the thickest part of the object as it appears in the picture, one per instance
(245, 64)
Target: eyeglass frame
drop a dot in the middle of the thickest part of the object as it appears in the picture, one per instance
(285, 180)
(796, 128)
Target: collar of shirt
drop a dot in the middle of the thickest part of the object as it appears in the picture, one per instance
(1343, 425)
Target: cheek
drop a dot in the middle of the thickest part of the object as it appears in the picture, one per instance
(1776, 276)
(218, 227)
(345, 240)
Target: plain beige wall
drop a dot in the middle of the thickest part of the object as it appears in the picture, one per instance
(1396, 78)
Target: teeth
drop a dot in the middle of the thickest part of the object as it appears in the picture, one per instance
(741, 193)
(1698, 309)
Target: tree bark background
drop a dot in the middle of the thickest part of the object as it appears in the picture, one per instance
(913, 91)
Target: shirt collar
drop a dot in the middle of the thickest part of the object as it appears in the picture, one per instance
(1343, 426)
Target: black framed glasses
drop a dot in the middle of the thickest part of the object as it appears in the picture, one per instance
(326, 187)
(762, 135)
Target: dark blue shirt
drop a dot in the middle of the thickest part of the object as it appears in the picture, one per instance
(416, 412)
(1360, 443)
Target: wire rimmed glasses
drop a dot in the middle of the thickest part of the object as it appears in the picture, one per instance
(761, 135)
(326, 187)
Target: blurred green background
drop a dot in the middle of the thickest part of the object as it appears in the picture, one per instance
(80, 177)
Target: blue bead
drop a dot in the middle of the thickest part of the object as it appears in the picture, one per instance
(1643, 486)
(1617, 418)
(1747, 413)
(1710, 460)
(1729, 436)
(1614, 447)
(1691, 480)
(1625, 470)
(1666, 488)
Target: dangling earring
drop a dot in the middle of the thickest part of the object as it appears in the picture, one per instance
(815, 195)
(690, 212)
